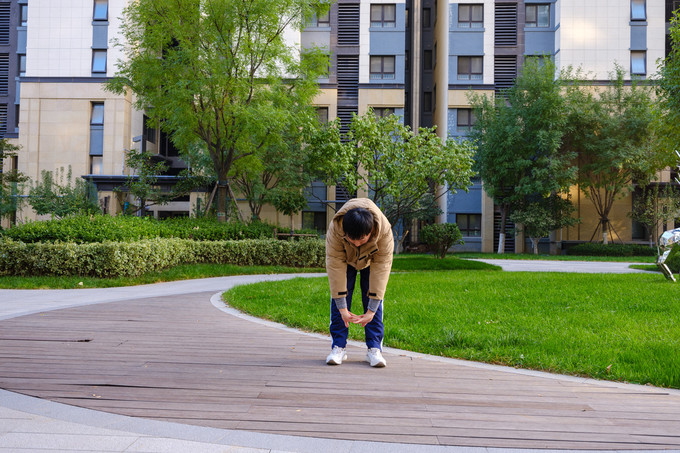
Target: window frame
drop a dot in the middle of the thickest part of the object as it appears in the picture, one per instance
(639, 53)
(96, 6)
(95, 53)
(383, 112)
(470, 23)
(471, 119)
(382, 23)
(536, 23)
(477, 75)
(633, 9)
(23, 15)
(466, 229)
(382, 74)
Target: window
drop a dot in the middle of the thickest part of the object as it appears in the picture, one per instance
(149, 131)
(101, 10)
(96, 165)
(469, 68)
(99, 61)
(469, 224)
(96, 134)
(383, 16)
(638, 10)
(465, 120)
(382, 67)
(382, 112)
(427, 18)
(23, 15)
(427, 102)
(320, 20)
(22, 64)
(470, 16)
(314, 220)
(538, 15)
(427, 60)
(322, 113)
(638, 62)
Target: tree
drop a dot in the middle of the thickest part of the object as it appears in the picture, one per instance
(655, 207)
(62, 196)
(612, 134)
(9, 179)
(667, 107)
(542, 215)
(518, 139)
(399, 168)
(219, 73)
(143, 184)
(289, 202)
(441, 237)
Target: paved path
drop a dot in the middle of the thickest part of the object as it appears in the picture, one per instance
(34, 424)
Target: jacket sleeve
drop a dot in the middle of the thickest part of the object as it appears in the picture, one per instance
(336, 263)
(381, 266)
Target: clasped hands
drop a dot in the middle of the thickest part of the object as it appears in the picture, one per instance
(348, 316)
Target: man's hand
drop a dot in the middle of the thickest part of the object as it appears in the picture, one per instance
(347, 316)
(365, 318)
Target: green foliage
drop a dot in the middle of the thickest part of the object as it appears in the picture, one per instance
(100, 228)
(600, 249)
(612, 133)
(10, 179)
(656, 206)
(541, 216)
(398, 167)
(221, 75)
(119, 259)
(667, 106)
(63, 196)
(441, 237)
(519, 138)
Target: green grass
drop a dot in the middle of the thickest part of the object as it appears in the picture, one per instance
(531, 256)
(623, 327)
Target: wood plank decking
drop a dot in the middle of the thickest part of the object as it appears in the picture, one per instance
(179, 359)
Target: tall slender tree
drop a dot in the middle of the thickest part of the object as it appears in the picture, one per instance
(668, 91)
(519, 137)
(219, 74)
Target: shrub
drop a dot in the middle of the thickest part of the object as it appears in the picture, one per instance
(121, 259)
(599, 249)
(441, 237)
(101, 228)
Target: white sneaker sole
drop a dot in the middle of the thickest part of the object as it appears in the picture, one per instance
(330, 361)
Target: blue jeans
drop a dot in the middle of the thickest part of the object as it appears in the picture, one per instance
(374, 330)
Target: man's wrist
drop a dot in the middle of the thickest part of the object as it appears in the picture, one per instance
(374, 304)
(340, 303)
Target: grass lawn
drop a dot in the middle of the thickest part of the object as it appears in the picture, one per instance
(623, 327)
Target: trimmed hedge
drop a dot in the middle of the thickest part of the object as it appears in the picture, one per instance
(599, 249)
(100, 228)
(123, 259)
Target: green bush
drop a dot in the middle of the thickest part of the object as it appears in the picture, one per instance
(441, 237)
(121, 259)
(101, 228)
(599, 249)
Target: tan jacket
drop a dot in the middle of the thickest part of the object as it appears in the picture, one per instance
(377, 252)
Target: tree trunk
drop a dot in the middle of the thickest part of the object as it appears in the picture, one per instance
(605, 238)
(501, 235)
(534, 244)
(221, 202)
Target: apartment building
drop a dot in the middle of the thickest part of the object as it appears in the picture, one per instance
(418, 59)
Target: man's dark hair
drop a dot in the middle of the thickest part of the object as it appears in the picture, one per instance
(357, 223)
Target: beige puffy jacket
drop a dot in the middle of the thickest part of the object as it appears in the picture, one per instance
(377, 252)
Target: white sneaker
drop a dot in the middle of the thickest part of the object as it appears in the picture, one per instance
(375, 358)
(336, 356)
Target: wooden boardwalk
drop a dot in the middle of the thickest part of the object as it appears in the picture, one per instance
(179, 359)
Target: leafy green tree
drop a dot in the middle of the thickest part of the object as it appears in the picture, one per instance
(441, 237)
(10, 179)
(219, 73)
(289, 202)
(667, 107)
(539, 217)
(519, 137)
(399, 167)
(63, 196)
(612, 133)
(655, 207)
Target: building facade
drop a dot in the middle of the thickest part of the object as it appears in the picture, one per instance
(418, 59)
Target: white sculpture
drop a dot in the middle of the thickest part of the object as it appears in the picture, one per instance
(669, 242)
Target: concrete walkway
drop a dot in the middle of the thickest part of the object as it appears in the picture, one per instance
(30, 424)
